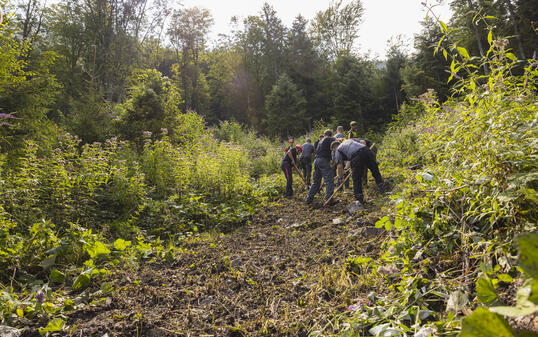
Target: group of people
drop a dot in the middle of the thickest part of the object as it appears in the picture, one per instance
(332, 156)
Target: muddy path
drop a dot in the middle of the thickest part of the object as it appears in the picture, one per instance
(284, 274)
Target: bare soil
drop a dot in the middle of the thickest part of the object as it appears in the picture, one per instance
(283, 274)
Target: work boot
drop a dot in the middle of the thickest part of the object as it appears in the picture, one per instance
(381, 187)
(332, 202)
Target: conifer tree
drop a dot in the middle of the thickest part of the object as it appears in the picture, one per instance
(286, 109)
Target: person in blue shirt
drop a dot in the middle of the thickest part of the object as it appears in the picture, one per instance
(306, 160)
(362, 159)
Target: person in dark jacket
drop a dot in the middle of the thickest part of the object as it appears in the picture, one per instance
(372, 147)
(361, 158)
(322, 168)
(288, 164)
(306, 160)
(316, 144)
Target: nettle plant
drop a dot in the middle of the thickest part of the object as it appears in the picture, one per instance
(467, 194)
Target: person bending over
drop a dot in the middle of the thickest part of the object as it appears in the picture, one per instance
(361, 158)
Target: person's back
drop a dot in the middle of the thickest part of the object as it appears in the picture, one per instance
(347, 149)
(306, 160)
(286, 160)
(340, 132)
(324, 148)
(308, 150)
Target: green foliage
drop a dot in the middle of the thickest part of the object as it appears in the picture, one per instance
(466, 187)
(336, 28)
(483, 323)
(528, 254)
(71, 213)
(264, 157)
(285, 105)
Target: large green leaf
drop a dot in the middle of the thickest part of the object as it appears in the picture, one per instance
(528, 253)
(56, 276)
(483, 323)
(534, 291)
(98, 248)
(524, 305)
(485, 291)
(81, 282)
(48, 262)
(56, 324)
(514, 311)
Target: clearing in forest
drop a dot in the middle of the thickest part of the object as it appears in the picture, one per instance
(283, 274)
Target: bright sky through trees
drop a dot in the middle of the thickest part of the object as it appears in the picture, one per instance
(383, 19)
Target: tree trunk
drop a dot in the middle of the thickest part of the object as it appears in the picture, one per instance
(515, 22)
(477, 36)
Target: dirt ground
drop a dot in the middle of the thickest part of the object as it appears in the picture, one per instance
(284, 274)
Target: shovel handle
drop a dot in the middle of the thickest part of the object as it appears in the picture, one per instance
(337, 189)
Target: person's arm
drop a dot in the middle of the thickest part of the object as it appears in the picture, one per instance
(291, 157)
(340, 170)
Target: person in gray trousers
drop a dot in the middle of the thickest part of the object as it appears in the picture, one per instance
(306, 160)
(322, 168)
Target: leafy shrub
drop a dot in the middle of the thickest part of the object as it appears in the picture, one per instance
(458, 212)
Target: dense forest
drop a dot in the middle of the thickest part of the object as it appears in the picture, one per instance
(140, 179)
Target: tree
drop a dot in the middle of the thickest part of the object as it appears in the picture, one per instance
(336, 28)
(273, 45)
(306, 68)
(390, 94)
(26, 90)
(151, 107)
(353, 99)
(188, 33)
(285, 107)
(426, 70)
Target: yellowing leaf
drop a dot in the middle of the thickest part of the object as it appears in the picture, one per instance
(511, 56)
(463, 52)
(121, 244)
(444, 28)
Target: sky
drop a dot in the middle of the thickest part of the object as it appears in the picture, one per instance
(382, 19)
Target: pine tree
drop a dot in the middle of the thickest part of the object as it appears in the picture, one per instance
(285, 107)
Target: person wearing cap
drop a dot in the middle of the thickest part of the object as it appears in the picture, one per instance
(306, 160)
(291, 143)
(361, 158)
(353, 133)
(288, 163)
(339, 132)
(322, 168)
